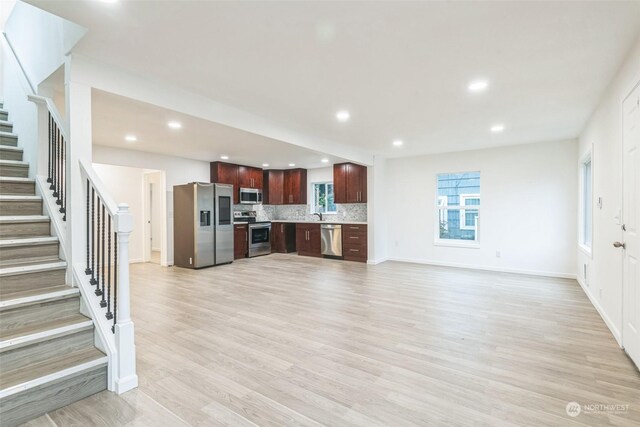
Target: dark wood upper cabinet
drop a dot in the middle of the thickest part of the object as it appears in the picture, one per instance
(349, 183)
(295, 187)
(226, 173)
(273, 187)
(249, 177)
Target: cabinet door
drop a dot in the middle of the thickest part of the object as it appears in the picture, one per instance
(273, 187)
(277, 237)
(295, 186)
(302, 244)
(340, 183)
(226, 173)
(244, 177)
(314, 240)
(256, 175)
(240, 241)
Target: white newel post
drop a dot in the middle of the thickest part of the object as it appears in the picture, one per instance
(43, 135)
(127, 378)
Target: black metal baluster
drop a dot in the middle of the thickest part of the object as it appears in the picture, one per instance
(63, 177)
(103, 303)
(115, 281)
(93, 237)
(54, 163)
(98, 291)
(109, 315)
(49, 177)
(87, 270)
(59, 161)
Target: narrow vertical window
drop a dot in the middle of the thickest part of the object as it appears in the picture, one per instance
(458, 207)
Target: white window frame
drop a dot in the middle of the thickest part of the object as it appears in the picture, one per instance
(441, 203)
(313, 197)
(463, 212)
(585, 247)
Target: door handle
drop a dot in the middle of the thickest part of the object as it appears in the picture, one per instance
(619, 245)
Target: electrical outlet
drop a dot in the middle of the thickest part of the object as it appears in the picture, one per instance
(396, 243)
(498, 254)
(190, 261)
(600, 293)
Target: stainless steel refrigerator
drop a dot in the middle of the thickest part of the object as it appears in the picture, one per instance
(202, 224)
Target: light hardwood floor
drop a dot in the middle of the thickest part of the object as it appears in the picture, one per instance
(288, 340)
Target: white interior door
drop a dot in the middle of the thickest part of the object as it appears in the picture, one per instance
(631, 228)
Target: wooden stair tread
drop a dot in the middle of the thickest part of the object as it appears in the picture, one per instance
(35, 268)
(26, 262)
(28, 241)
(37, 296)
(13, 219)
(32, 375)
(42, 327)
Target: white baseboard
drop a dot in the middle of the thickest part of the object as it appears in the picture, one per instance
(155, 249)
(486, 268)
(601, 312)
(376, 261)
(135, 260)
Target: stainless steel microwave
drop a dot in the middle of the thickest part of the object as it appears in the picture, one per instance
(250, 196)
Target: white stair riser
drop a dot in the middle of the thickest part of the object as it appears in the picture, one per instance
(20, 207)
(31, 280)
(20, 317)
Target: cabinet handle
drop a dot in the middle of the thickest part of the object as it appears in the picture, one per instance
(246, 236)
(354, 250)
(282, 228)
(353, 237)
(355, 228)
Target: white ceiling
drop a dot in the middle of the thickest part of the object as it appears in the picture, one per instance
(114, 117)
(400, 68)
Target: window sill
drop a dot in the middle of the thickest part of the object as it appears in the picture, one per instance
(585, 250)
(457, 244)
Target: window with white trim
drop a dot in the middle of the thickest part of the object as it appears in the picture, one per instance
(458, 207)
(586, 209)
(323, 199)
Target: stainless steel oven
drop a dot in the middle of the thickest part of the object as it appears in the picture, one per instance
(259, 239)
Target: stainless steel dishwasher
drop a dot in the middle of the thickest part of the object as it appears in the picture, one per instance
(331, 239)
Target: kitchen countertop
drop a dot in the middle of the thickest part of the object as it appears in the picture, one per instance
(319, 222)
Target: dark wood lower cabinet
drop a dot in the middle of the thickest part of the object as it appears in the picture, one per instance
(240, 241)
(283, 237)
(354, 242)
(308, 239)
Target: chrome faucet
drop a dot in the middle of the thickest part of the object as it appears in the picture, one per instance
(319, 215)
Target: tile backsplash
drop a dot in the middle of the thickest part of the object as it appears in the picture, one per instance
(346, 212)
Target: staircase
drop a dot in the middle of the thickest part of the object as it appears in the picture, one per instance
(47, 354)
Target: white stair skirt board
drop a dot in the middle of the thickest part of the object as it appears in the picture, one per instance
(51, 333)
(52, 377)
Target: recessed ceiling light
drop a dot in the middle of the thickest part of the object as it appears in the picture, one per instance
(108, 1)
(325, 160)
(223, 157)
(497, 128)
(397, 142)
(265, 165)
(343, 116)
(478, 85)
(292, 164)
(130, 138)
(175, 125)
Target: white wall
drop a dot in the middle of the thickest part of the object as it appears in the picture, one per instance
(528, 211)
(40, 39)
(603, 135)
(177, 171)
(155, 180)
(126, 185)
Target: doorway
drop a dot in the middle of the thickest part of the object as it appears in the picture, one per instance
(630, 243)
(155, 217)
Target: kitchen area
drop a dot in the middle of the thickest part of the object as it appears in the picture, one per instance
(245, 211)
